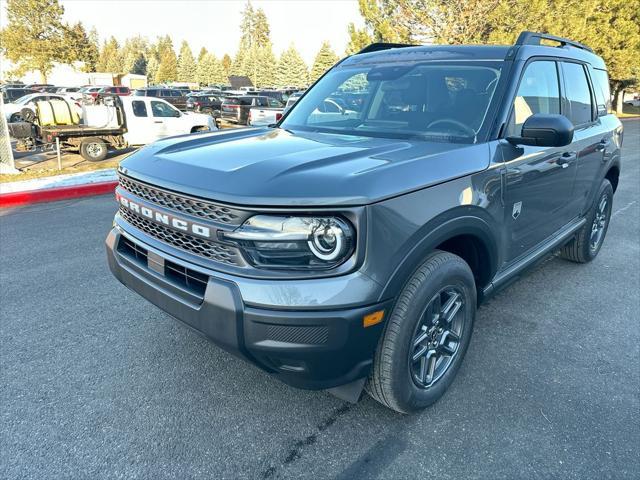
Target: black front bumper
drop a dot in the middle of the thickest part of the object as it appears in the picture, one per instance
(308, 349)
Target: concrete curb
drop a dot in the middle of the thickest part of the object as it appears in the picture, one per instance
(26, 197)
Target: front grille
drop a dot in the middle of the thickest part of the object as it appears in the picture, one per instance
(198, 246)
(188, 205)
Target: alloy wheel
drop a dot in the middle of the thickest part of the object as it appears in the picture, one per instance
(599, 223)
(437, 337)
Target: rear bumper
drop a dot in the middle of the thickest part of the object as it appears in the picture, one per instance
(310, 348)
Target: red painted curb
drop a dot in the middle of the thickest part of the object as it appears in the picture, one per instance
(15, 199)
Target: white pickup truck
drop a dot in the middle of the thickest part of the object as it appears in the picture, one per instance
(113, 122)
(260, 116)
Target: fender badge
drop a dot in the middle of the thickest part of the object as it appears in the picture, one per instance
(517, 208)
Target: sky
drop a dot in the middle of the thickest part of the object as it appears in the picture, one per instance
(214, 24)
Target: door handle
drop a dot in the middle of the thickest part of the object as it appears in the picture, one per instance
(157, 121)
(566, 159)
(602, 145)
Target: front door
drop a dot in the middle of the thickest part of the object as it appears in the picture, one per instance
(539, 180)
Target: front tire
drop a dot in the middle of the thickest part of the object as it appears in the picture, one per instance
(426, 336)
(587, 243)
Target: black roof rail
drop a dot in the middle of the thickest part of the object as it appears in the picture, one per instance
(534, 38)
(376, 47)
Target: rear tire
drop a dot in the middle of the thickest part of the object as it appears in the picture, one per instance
(93, 149)
(426, 336)
(589, 239)
(15, 118)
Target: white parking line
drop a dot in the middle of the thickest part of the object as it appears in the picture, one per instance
(622, 209)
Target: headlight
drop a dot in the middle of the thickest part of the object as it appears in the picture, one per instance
(303, 243)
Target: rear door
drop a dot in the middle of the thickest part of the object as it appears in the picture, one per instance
(590, 138)
(539, 180)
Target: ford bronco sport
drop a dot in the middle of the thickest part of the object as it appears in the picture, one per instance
(348, 248)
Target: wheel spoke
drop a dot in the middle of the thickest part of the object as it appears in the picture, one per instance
(432, 360)
(420, 353)
(420, 338)
(603, 204)
(435, 309)
(451, 308)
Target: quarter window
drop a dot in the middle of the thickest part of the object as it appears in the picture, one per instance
(538, 92)
(139, 108)
(578, 93)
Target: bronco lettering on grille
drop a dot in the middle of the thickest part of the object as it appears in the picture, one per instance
(165, 218)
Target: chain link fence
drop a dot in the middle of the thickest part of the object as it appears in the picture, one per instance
(6, 153)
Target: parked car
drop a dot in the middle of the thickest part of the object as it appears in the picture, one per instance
(350, 251)
(204, 103)
(174, 96)
(39, 87)
(67, 89)
(634, 102)
(259, 116)
(293, 98)
(114, 122)
(13, 112)
(116, 90)
(236, 109)
(91, 91)
(275, 94)
(10, 95)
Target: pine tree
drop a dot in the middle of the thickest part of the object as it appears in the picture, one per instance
(81, 47)
(33, 38)
(167, 61)
(201, 55)
(168, 67)
(325, 59)
(255, 58)
(152, 67)
(226, 67)
(133, 54)
(186, 64)
(110, 57)
(291, 70)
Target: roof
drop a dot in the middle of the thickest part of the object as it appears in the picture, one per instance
(470, 53)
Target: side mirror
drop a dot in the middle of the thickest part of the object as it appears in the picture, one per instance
(545, 130)
(176, 114)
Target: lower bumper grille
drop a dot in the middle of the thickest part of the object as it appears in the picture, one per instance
(204, 248)
(193, 281)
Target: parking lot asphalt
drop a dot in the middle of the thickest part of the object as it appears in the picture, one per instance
(97, 383)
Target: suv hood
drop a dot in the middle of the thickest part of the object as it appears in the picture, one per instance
(274, 167)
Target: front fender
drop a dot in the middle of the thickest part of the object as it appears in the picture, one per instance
(468, 220)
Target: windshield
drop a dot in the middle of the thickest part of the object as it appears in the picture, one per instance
(436, 101)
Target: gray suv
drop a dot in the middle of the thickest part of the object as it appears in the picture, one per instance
(348, 248)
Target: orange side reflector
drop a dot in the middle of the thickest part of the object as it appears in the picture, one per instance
(372, 319)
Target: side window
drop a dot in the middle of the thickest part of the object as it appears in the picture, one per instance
(263, 102)
(538, 92)
(601, 86)
(161, 109)
(139, 108)
(578, 93)
(176, 93)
